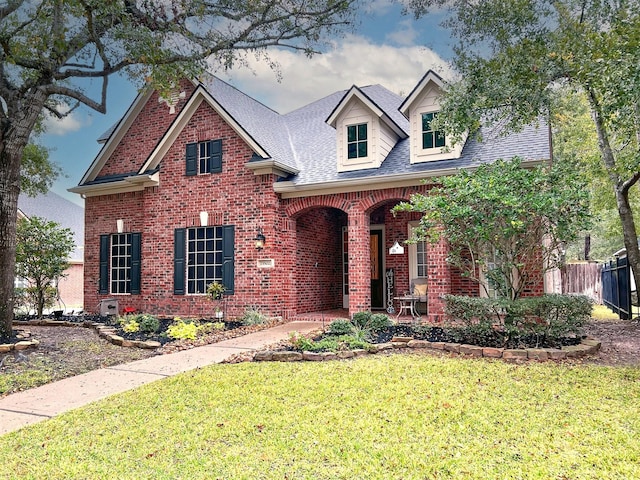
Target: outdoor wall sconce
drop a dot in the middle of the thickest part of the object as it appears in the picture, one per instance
(204, 219)
(120, 225)
(260, 239)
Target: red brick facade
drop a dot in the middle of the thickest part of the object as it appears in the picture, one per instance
(303, 235)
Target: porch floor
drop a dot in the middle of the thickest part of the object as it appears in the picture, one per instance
(328, 316)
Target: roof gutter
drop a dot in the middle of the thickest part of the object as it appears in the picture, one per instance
(128, 184)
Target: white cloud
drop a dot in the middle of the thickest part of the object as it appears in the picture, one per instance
(71, 122)
(355, 61)
(405, 35)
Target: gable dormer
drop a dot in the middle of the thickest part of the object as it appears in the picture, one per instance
(421, 107)
(365, 134)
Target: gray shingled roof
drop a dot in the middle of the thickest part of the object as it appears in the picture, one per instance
(304, 141)
(55, 208)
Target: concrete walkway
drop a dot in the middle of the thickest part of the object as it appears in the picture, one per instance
(38, 404)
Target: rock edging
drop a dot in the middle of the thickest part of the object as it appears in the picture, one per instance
(588, 346)
(104, 331)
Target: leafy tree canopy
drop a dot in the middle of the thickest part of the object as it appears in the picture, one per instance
(516, 219)
(52, 51)
(42, 253)
(515, 55)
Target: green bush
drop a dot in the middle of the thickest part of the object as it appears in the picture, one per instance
(253, 316)
(531, 321)
(131, 326)
(361, 319)
(148, 323)
(340, 327)
(373, 322)
(379, 321)
(182, 330)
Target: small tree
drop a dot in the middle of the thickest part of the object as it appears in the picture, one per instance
(505, 217)
(42, 253)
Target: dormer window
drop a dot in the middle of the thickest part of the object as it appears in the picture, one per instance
(357, 141)
(431, 138)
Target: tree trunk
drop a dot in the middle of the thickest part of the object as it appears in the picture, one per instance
(620, 188)
(16, 125)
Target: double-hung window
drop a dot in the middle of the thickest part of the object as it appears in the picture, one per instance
(357, 141)
(204, 157)
(203, 255)
(431, 138)
(120, 263)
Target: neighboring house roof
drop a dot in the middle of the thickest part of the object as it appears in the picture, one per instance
(55, 208)
(302, 146)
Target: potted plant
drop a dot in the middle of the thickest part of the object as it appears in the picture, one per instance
(216, 290)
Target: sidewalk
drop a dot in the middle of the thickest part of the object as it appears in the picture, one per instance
(38, 404)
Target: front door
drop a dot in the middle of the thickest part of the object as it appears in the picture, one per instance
(377, 269)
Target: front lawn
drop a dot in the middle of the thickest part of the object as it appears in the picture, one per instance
(383, 417)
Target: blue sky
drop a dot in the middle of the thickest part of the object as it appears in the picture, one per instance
(385, 48)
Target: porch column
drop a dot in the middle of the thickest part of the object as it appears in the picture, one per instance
(359, 262)
(439, 279)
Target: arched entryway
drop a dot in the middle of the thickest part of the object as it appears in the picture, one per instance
(319, 272)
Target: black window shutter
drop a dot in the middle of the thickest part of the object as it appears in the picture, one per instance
(228, 248)
(216, 156)
(103, 284)
(135, 263)
(192, 159)
(179, 261)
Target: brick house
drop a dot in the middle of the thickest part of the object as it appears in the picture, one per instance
(184, 186)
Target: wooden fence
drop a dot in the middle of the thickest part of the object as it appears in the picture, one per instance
(583, 278)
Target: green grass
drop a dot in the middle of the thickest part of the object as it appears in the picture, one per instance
(382, 417)
(600, 312)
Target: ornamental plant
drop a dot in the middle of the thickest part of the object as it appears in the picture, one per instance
(216, 290)
(504, 223)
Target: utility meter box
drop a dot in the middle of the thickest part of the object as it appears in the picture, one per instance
(108, 307)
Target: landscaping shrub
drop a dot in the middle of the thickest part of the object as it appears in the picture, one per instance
(374, 322)
(182, 330)
(340, 327)
(532, 321)
(361, 319)
(148, 323)
(253, 316)
(379, 321)
(131, 326)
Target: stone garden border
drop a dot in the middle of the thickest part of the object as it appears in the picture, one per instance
(105, 331)
(588, 346)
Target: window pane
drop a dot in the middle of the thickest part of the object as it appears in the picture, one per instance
(439, 140)
(362, 149)
(362, 131)
(205, 259)
(352, 150)
(427, 140)
(351, 133)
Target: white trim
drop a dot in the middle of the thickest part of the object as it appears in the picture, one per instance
(355, 92)
(134, 183)
(430, 76)
(116, 136)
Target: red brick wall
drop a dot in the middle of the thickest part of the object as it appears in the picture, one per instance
(318, 267)
(142, 137)
(234, 197)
